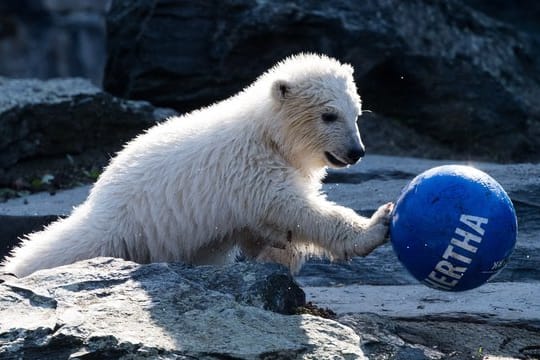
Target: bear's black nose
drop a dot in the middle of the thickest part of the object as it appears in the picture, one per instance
(355, 154)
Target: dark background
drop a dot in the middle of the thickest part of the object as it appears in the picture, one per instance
(449, 79)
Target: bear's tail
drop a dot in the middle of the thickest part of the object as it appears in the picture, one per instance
(63, 242)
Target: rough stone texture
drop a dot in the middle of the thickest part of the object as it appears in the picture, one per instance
(107, 308)
(454, 337)
(52, 38)
(66, 116)
(458, 79)
(524, 16)
(501, 302)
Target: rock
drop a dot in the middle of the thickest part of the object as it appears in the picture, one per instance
(501, 302)
(524, 17)
(53, 38)
(463, 83)
(444, 337)
(385, 135)
(267, 286)
(109, 308)
(453, 104)
(66, 116)
(45, 204)
(416, 322)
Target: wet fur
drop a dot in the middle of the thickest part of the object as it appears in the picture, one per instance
(241, 175)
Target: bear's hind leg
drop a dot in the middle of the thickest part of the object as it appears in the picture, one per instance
(289, 257)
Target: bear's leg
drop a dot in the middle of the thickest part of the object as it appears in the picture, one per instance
(367, 234)
(267, 243)
(253, 242)
(288, 257)
(337, 229)
(216, 253)
(293, 255)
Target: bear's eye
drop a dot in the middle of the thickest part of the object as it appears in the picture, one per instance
(329, 117)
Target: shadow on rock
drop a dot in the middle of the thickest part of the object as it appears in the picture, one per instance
(110, 308)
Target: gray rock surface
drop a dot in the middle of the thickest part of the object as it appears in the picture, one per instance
(524, 17)
(107, 308)
(441, 78)
(45, 204)
(501, 301)
(457, 337)
(66, 116)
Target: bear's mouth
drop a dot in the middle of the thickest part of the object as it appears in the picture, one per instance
(334, 160)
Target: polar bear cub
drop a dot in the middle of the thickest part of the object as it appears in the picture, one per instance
(242, 174)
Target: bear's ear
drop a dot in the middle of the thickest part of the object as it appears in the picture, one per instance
(281, 90)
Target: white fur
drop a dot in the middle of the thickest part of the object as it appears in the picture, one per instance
(244, 173)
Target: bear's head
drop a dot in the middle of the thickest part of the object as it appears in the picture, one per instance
(318, 106)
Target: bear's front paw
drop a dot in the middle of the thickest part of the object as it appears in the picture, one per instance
(382, 215)
(375, 234)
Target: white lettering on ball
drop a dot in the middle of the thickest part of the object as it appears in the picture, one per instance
(458, 253)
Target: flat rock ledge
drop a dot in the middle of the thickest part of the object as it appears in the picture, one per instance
(108, 308)
(497, 321)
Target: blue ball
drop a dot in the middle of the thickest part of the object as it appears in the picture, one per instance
(453, 227)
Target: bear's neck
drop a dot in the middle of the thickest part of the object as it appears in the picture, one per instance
(312, 172)
(266, 127)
